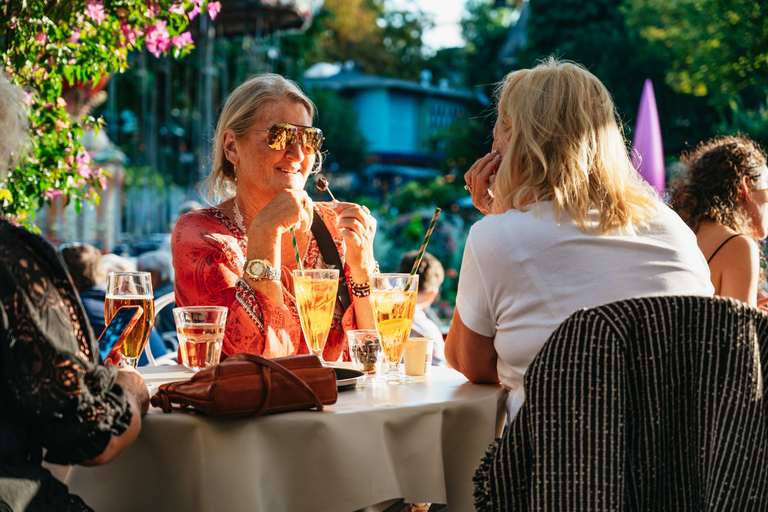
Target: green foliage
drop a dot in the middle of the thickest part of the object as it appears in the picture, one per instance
(51, 46)
(485, 30)
(717, 48)
(384, 41)
(751, 121)
(598, 36)
(345, 146)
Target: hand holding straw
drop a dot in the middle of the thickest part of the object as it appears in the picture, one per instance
(424, 245)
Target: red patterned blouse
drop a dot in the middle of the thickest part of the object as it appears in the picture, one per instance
(209, 252)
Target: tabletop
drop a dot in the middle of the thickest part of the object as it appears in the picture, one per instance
(421, 442)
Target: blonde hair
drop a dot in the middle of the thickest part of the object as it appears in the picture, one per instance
(242, 110)
(14, 126)
(564, 145)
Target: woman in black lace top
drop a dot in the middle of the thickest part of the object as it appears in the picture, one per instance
(54, 392)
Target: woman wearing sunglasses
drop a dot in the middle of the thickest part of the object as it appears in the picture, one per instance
(724, 199)
(239, 253)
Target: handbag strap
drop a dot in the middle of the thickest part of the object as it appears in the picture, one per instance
(268, 365)
(331, 256)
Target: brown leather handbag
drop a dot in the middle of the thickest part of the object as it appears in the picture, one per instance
(249, 385)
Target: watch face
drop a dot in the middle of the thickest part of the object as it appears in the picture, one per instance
(258, 269)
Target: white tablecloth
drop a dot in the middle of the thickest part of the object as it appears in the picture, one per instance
(421, 442)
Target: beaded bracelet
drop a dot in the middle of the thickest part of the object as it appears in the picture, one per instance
(360, 290)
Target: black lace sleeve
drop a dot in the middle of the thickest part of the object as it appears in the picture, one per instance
(54, 387)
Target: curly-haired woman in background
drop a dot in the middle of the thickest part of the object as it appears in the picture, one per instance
(724, 199)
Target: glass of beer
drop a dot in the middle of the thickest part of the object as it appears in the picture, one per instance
(316, 298)
(131, 289)
(201, 334)
(394, 303)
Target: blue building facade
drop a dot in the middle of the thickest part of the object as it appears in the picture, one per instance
(403, 120)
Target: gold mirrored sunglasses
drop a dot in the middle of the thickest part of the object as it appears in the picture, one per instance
(285, 135)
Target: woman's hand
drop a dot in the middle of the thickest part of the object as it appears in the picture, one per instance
(131, 380)
(288, 209)
(358, 227)
(480, 178)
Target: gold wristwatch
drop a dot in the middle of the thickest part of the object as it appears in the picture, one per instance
(260, 269)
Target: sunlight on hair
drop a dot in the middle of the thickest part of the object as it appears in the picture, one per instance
(563, 144)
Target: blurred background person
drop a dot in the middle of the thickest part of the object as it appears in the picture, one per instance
(573, 226)
(55, 394)
(723, 197)
(431, 276)
(160, 266)
(115, 263)
(84, 264)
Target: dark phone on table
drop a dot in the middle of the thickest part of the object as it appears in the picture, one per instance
(118, 329)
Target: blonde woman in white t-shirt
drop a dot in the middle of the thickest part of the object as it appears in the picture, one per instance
(570, 224)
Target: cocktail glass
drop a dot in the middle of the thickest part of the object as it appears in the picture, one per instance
(394, 303)
(316, 298)
(201, 333)
(131, 289)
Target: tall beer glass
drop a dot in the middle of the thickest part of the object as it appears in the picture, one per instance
(316, 297)
(394, 303)
(131, 289)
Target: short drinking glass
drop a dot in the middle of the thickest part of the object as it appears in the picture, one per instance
(364, 349)
(131, 289)
(201, 333)
(394, 303)
(316, 298)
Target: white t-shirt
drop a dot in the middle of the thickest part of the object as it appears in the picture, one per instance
(523, 275)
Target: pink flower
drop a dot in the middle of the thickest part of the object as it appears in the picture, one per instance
(84, 171)
(176, 9)
(103, 182)
(182, 39)
(40, 37)
(53, 193)
(130, 35)
(75, 37)
(152, 10)
(213, 9)
(28, 97)
(94, 9)
(85, 158)
(158, 39)
(194, 12)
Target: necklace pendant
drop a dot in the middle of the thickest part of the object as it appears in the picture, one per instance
(239, 218)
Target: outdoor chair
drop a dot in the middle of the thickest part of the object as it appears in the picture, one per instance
(170, 358)
(645, 404)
